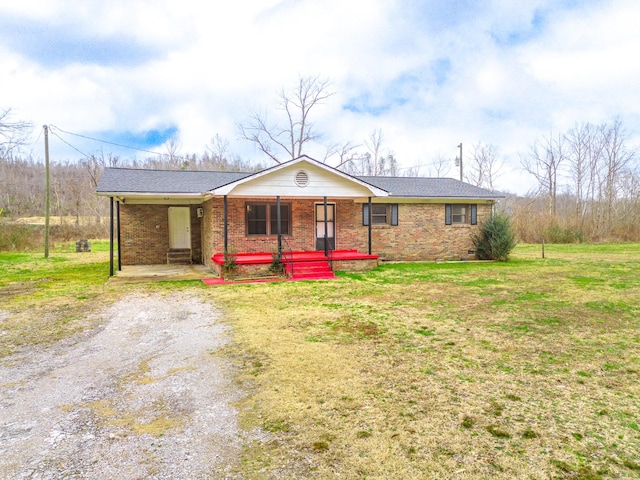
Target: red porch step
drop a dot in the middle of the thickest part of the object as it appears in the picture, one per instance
(309, 270)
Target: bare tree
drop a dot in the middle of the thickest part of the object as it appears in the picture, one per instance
(13, 134)
(376, 161)
(297, 131)
(616, 158)
(584, 155)
(218, 148)
(173, 146)
(543, 162)
(440, 166)
(483, 168)
(345, 152)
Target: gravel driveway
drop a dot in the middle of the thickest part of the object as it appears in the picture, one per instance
(142, 396)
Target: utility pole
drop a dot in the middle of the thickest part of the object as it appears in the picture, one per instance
(47, 196)
(460, 147)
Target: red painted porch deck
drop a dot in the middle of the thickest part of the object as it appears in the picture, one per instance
(301, 265)
(309, 256)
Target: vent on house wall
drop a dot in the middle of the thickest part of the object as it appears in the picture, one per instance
(301, 178)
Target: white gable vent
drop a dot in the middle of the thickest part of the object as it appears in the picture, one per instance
(301, 178)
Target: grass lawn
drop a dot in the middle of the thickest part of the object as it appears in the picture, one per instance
(526, 369)
(46, 300)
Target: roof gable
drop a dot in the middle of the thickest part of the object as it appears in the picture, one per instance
(301, 177)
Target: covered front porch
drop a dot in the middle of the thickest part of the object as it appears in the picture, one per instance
(296, 213)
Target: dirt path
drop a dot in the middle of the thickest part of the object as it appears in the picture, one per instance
(143, 396)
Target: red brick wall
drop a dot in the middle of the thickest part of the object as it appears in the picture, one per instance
(144, 233)
(302, 224)
(420, 235)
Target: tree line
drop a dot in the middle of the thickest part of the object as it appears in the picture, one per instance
(588, 182)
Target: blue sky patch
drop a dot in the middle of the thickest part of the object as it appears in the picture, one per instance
(441, 69)
(139, 140)
(59, 45)
(524, 35)
(403, 89)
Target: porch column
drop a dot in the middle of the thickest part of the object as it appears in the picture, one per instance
(279, 222)
(369, 223)
(326, 229)
(118, 226)
(226, 226)
(111, 236)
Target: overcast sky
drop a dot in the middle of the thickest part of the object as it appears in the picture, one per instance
(430, 74)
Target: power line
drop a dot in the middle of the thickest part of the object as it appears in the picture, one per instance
(33, 146)
(106, 142)
(67, 143)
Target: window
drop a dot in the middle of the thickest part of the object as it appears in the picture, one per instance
(262, 218)
(460, 214)
(381, 214)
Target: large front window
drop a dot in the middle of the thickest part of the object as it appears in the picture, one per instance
(262, 219)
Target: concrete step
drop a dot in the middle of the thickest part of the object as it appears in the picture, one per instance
(180, 256)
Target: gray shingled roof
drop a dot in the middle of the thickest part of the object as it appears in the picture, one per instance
(128, 180)
(429, 187)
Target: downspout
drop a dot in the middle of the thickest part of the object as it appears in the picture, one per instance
(118, 225)
(326, 229)
(369, 223)
(226, 227)
(111, 236)
(279, 222)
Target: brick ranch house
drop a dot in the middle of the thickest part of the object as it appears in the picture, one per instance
(302, 205)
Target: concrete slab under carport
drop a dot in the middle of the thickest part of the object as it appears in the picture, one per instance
(158, 273)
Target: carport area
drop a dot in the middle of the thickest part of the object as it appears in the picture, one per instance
(158, 273)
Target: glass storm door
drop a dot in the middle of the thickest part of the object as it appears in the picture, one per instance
(320, 226)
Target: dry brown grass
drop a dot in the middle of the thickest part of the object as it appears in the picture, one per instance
(522, 370)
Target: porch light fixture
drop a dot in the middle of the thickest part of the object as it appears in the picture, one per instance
(301, 178)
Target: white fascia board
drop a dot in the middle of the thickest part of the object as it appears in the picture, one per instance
(141, 197)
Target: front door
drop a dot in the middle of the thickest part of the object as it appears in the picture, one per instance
(179, 227)
(320, 226)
